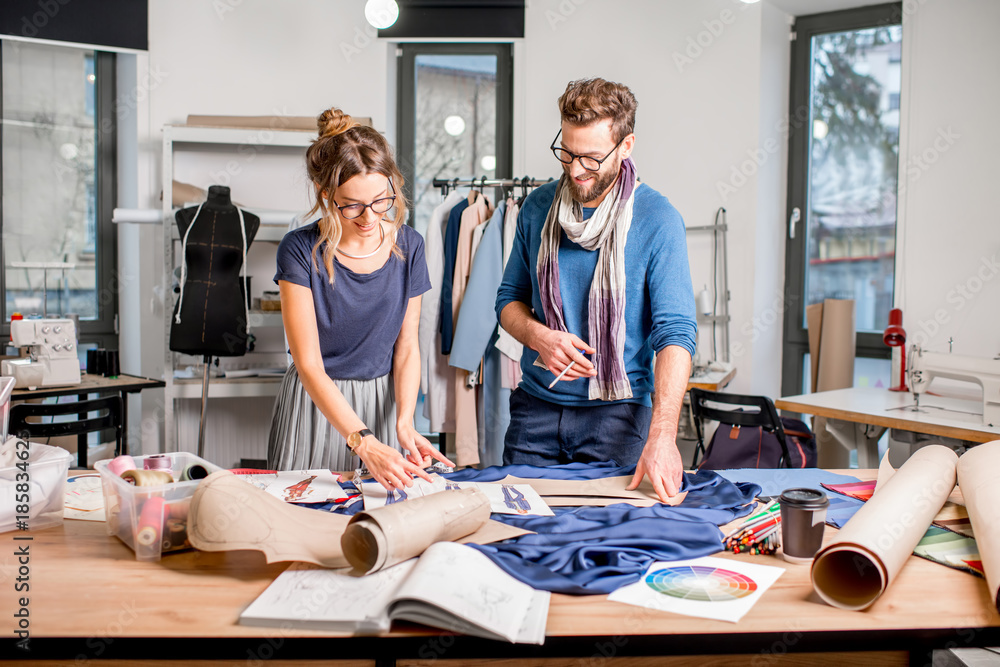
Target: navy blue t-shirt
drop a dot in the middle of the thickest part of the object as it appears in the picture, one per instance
(360, 316)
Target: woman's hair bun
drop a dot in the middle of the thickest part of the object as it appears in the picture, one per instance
(333, 121)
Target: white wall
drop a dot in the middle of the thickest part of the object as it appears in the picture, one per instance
(948, 257)
(711, 77)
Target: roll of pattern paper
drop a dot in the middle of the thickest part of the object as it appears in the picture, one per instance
(853, 571)
(382, 537)
(977, 478)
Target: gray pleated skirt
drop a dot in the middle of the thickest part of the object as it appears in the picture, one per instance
(302, 437)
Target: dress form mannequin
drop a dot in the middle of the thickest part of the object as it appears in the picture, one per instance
(210, 317)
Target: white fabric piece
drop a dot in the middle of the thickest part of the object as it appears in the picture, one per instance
(436, 377)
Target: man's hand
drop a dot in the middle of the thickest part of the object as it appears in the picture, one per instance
(661, 462)
(557, 349)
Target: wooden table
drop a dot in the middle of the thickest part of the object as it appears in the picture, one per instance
(95, 384)
(857, 408)
(90, 599)
(711, 380)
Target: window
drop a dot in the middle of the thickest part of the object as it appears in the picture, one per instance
(843, 160)
(455, 118)
(58, 185)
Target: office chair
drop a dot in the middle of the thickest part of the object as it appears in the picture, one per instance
(754, 411)
(110, 417)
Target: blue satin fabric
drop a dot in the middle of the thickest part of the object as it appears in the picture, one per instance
(595, 550)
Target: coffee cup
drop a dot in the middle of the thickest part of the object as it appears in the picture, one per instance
(803, 517)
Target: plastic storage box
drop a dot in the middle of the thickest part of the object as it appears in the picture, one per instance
(151, 520)
(41, 485)
(45, 488)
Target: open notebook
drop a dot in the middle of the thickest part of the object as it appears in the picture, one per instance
(450, 586)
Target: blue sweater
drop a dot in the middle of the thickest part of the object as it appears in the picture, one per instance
(659, 299)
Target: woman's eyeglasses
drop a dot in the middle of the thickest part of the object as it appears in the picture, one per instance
(382, 205)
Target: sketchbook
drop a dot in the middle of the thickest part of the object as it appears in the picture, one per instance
(451, 586)
(503, 498)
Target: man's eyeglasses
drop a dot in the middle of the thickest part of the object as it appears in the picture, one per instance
(382, 205)
(587, 162)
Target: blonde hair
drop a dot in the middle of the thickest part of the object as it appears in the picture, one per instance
(587, 101)
(343, 150)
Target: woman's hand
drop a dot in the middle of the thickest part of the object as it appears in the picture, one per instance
(419, 449)
(388, 466)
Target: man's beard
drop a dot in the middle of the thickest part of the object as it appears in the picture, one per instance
(595, 187)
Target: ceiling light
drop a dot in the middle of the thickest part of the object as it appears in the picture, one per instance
(381, 13)
(454, 125)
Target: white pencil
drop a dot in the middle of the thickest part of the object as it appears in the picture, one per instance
(564, 371)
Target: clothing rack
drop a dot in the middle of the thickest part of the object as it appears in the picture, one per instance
(446, 185)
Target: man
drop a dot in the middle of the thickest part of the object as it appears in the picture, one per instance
(597, 282)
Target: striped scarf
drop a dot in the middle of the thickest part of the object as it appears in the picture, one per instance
(606, 231)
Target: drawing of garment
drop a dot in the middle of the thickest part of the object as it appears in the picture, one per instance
(452, 486)
(296, 491)
(514, 499)
(395, 496)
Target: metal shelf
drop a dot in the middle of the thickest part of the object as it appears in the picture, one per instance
(227, 387)
(181, 137)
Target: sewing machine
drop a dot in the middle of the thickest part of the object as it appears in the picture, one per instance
(924, 366)
(52, 356)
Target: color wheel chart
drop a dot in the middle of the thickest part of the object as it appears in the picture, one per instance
(699, 582)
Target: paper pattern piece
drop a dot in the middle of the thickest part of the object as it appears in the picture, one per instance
(854, 570)
(504, 497)
(299, 486)
(228, 514)
(717, 588)
(379, 538)
(84, 498)
(977, 477)
(450, 586)
(604, 487)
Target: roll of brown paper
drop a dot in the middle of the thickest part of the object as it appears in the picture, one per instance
(147, 477)
(977, 477)
(853, 571)
(391, 534)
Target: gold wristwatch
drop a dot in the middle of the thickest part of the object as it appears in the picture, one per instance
(354, 439)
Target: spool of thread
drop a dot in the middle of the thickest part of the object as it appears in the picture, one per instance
(95, 365)
(194, 471)
(179, 509)
(150, 526)
(158, 462)
(705, 301)
(147, 477)
(120, 464)
(112, 363)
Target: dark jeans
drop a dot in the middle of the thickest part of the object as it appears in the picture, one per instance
(543, 433)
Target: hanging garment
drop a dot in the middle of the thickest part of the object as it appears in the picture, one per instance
(445, 321)
(436, 377)
(595, 550)
(466, 431)
(475, 333)
(506, 343)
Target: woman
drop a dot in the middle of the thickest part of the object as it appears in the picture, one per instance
(350, 286)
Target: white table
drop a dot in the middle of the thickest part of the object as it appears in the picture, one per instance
(860, 415)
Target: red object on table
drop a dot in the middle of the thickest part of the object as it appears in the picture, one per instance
(895, 336)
